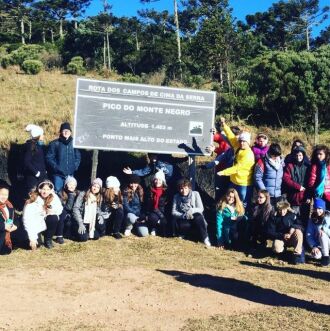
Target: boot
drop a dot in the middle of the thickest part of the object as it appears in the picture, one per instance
(297, 259)
(49, 243)
(325, 261)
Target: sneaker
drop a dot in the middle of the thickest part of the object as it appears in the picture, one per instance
(117, 235)
(59, 240)
(127, 232)
(207, 242)
(49, 243)
(153, 232)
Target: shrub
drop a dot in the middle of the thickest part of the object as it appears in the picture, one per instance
(32, 67)
(27, 52)
(6, 61)
(75, 68)
(128, 77)
(78, 60)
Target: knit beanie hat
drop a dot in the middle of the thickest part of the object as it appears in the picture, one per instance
(112, 181)
(65, 126)
(319, 204)
(134, 179)
(160, 175)
(299, 149)
(245, 136)
(35, 130)
(70, 179)
(97, 181)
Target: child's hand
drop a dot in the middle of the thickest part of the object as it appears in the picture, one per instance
(8, 227)
(127, 171)
(287, 236)
(33, 245)
(13, 228)
(234, 218)
(316, 251)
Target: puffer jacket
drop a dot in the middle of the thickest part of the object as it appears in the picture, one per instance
(62, 158)
(267, 177)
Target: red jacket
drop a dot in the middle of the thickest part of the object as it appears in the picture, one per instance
(223, 146)
(292, 187)
(314, 181)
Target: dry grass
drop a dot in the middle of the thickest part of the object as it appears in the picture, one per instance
(47, 99)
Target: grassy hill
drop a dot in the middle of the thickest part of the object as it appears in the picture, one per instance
(48, 99)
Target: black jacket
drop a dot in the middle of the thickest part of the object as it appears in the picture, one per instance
(279, 225)
(34, 159)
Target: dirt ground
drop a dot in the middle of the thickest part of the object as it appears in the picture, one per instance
(64, 290)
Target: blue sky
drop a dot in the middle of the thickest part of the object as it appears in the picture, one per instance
(240, 7)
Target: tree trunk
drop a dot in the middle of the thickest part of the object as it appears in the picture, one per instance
(221, 75)
(75, 25)
(108, 49)
(30, 31)
(61, 29)
(104, 53)
(307, 38)
(43, 36)
(52, 36)
(22, 31)
(316, 126)
(176, 18)
(137, 41)
(95, 162)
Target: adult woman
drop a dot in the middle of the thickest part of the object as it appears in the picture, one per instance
(319, 179)
(187, 212)
(41, 213)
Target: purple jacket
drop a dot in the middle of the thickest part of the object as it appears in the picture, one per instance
(259, 152)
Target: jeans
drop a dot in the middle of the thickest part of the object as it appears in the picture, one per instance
(141, 229)
(58, 183)
(245, 194)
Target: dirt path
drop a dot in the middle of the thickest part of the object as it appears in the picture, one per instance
(120, 299)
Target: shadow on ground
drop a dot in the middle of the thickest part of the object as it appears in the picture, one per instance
(245, 290)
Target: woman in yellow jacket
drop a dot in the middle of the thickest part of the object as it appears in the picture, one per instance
(241, 173)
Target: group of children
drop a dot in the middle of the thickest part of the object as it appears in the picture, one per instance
(271, 198)
(259, 197)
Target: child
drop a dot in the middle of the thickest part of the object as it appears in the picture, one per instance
(41, 213)
(318, 232)
(133, 207)
(286, 230)
(68, 196)
(262, 212)
(157, 202)
(319, 179)
(34, 158)
(112, 207)
(230, 212)
(260, 148)
(86, 210)
(187, 211)
(6, 220)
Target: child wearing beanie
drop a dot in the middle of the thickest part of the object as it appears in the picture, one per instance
(157, 202)
(112, 211)
(68, 197)
(318, 232)
(86, 211)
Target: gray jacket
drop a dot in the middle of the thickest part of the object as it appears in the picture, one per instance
(78, 211)
(180, 207)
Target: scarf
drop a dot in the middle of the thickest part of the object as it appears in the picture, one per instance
(157, 193)
(65, 141)
(186, 202)
(3, 207)
(90, 214)
(277, 163)
(319, 190)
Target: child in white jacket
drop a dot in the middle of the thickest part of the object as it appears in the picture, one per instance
(41, 214)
